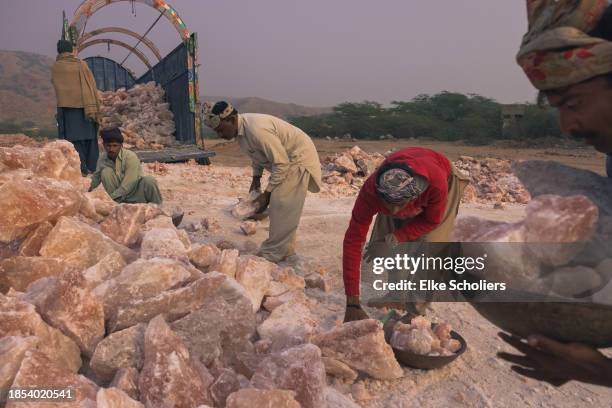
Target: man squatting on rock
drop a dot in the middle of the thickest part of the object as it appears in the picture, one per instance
(292, 160)
(120, 173)
(567, 55)
(415, 196)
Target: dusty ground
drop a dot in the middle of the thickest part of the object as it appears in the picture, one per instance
(478, 378)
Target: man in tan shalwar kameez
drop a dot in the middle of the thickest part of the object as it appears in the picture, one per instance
(292, 160)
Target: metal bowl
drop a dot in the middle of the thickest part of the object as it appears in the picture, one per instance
(422, 362)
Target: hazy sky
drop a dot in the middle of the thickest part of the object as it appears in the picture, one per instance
(315, 52)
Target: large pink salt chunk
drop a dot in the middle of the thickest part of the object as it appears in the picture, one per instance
(361, 345)
(170, 376)
(254, 398)
(80, 245)
(25, 204)
(124, 222)
(299, 369)
(19, 318)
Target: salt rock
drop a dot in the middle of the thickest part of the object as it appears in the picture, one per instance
(38, 371)
(254, 398)
(140, 280)
(173, 304)
(254, 274)
(537, 175)
(572, 281)
(161, 221)
(115, 398)
(203, 256)
(18, 157)
(345, 163)
(88, 210)
(564, 220)
(226, 263)
(360, 392)
(163, 243)
(170, 377)
(59, 160)
(475, 229)
(12, 352)
(338, 369)
(25, 204)
(103, 203)
(361, 345)
(107, 268)
(184, 237)
(276, 289)
(122, 349)
(335, 399)
(296, 296)
(31, 245)
(18, 318)
(124, 222)
(246, 363)
(126, 379)
(291, 319)
(246, 207)
(225, 384)
(314, 280)
(222, 325)
(80, 245)
(74, 310)
(248, 227)
(20, 271)
(357, 153)
(288, 277)
(298, 369)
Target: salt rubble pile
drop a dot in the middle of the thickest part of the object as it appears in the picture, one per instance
(115, 302)
(142, 114)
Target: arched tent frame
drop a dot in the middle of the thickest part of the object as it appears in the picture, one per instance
(90, 7)
(135, 51)
(144, 40)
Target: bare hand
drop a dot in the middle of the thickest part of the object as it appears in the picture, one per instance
(255, 184)
(548, 360)
(353, 313)
(262, 202)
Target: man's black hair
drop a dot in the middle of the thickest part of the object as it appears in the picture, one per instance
(64, 46)
(220, 107)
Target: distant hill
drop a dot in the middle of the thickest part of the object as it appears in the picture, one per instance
(26, 93)
(27, 96)
(259, 105)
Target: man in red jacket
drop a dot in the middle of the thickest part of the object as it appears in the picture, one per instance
(415, 196)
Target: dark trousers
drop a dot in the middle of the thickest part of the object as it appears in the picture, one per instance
(88, 153)
(72, 125)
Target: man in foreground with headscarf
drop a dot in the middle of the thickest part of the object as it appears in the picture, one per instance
(120, 172)
(567, 54)
(415, 196)
(78, 106)
(292, 160)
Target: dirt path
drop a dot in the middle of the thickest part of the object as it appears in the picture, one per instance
(478, 378)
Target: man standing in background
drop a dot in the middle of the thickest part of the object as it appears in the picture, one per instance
(78, 106)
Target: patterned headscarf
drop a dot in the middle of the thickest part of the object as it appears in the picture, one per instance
(397, 185)
(210, 119)
(557, 51)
